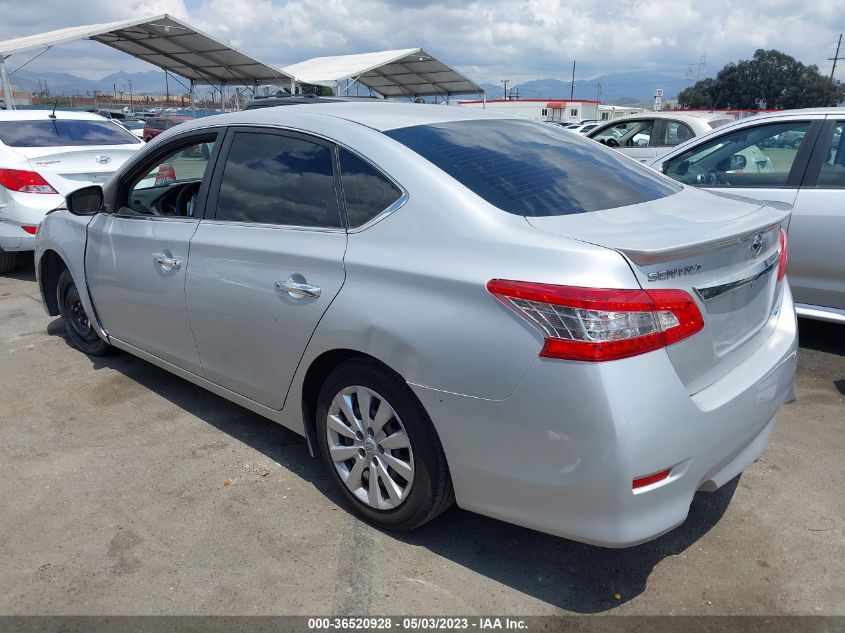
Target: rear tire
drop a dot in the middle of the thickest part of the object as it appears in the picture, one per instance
(412, 482)
(8, 262)
(79, 328)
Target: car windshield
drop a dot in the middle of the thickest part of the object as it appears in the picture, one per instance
(133, 124)
(531, 169)
(63, 133)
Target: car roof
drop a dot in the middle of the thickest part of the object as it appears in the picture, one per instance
(379, 116)
(35, 115)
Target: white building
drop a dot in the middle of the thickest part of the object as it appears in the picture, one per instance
(564, 110)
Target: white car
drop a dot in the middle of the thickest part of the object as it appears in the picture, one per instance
(583, 127)
(646, 136)
(43, 157)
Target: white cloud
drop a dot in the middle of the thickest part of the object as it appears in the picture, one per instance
(488, 40)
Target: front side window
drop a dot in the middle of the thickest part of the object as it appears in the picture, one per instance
(64, 133)
(276, 179)
(170, 185)
(366, 191)
(754, 156)
(627, 134)
(532, 169)
(832, 174)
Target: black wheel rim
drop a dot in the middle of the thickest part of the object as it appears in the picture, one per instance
(76, 316)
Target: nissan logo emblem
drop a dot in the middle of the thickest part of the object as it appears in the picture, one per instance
(103, 159)
(757, 244)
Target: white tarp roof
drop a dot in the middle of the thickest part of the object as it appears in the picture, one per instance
(167, 43)
(407, 72)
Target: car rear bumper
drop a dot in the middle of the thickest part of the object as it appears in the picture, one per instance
(22, 209)
(560, 453)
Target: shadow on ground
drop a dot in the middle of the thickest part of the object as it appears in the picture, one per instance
(568, 575)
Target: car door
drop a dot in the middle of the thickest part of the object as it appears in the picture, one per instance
(137, 253)
(266, 261)
(749, 160)
(817, 228)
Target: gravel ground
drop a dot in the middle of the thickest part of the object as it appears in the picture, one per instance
(127, 490)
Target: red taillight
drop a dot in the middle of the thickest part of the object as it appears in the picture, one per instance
(32, 230)
(24, 181)
(782, 262)
(592, 324)
(642, 482)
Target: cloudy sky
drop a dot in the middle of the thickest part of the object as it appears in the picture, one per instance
(488, 40)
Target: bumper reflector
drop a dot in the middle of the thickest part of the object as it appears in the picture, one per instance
(642, 482)
(32, 230)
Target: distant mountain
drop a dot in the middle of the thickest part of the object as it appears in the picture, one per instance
(619, 88)
(150, 83)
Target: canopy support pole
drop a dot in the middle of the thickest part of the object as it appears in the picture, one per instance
(7, 84)
(193, 103)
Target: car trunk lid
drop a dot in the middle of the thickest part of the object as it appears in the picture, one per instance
(723, 250)
(69, 168)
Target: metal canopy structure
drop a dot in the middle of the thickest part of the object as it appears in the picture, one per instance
(163, 41)
(409, 72)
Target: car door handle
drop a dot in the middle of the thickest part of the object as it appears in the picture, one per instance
(297, 289)
(166, 262)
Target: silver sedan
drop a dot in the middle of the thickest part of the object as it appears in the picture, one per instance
(451, 305)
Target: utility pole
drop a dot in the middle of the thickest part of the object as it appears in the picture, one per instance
(505, 83)
(166, 87)
(836, 57)
(130, 95)
(598, 91)
(572, 83)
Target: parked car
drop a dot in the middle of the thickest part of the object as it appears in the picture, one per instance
(135, 126)
(582, 128)
(43, 156)
(647, 136)
(799, 159)
(579, 354)
(155, 125)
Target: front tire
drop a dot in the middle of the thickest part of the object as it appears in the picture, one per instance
(77, 325)
(380, 447)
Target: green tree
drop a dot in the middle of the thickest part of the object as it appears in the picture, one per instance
(771, 80)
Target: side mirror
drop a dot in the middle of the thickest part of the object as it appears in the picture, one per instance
(85, 201)
(681, 169)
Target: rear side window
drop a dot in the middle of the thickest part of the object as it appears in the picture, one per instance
(275, 179)
(366, 191)
(63, 133)
(531, 169)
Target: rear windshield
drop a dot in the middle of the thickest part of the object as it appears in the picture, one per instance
(531, 169)
(63, 133)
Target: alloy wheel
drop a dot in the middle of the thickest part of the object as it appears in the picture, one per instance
(369, 447)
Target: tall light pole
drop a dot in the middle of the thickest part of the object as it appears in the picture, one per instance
(505, 82)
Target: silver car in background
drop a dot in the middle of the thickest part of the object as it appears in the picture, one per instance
(796, 157)
(451, 305)
(650, 134)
